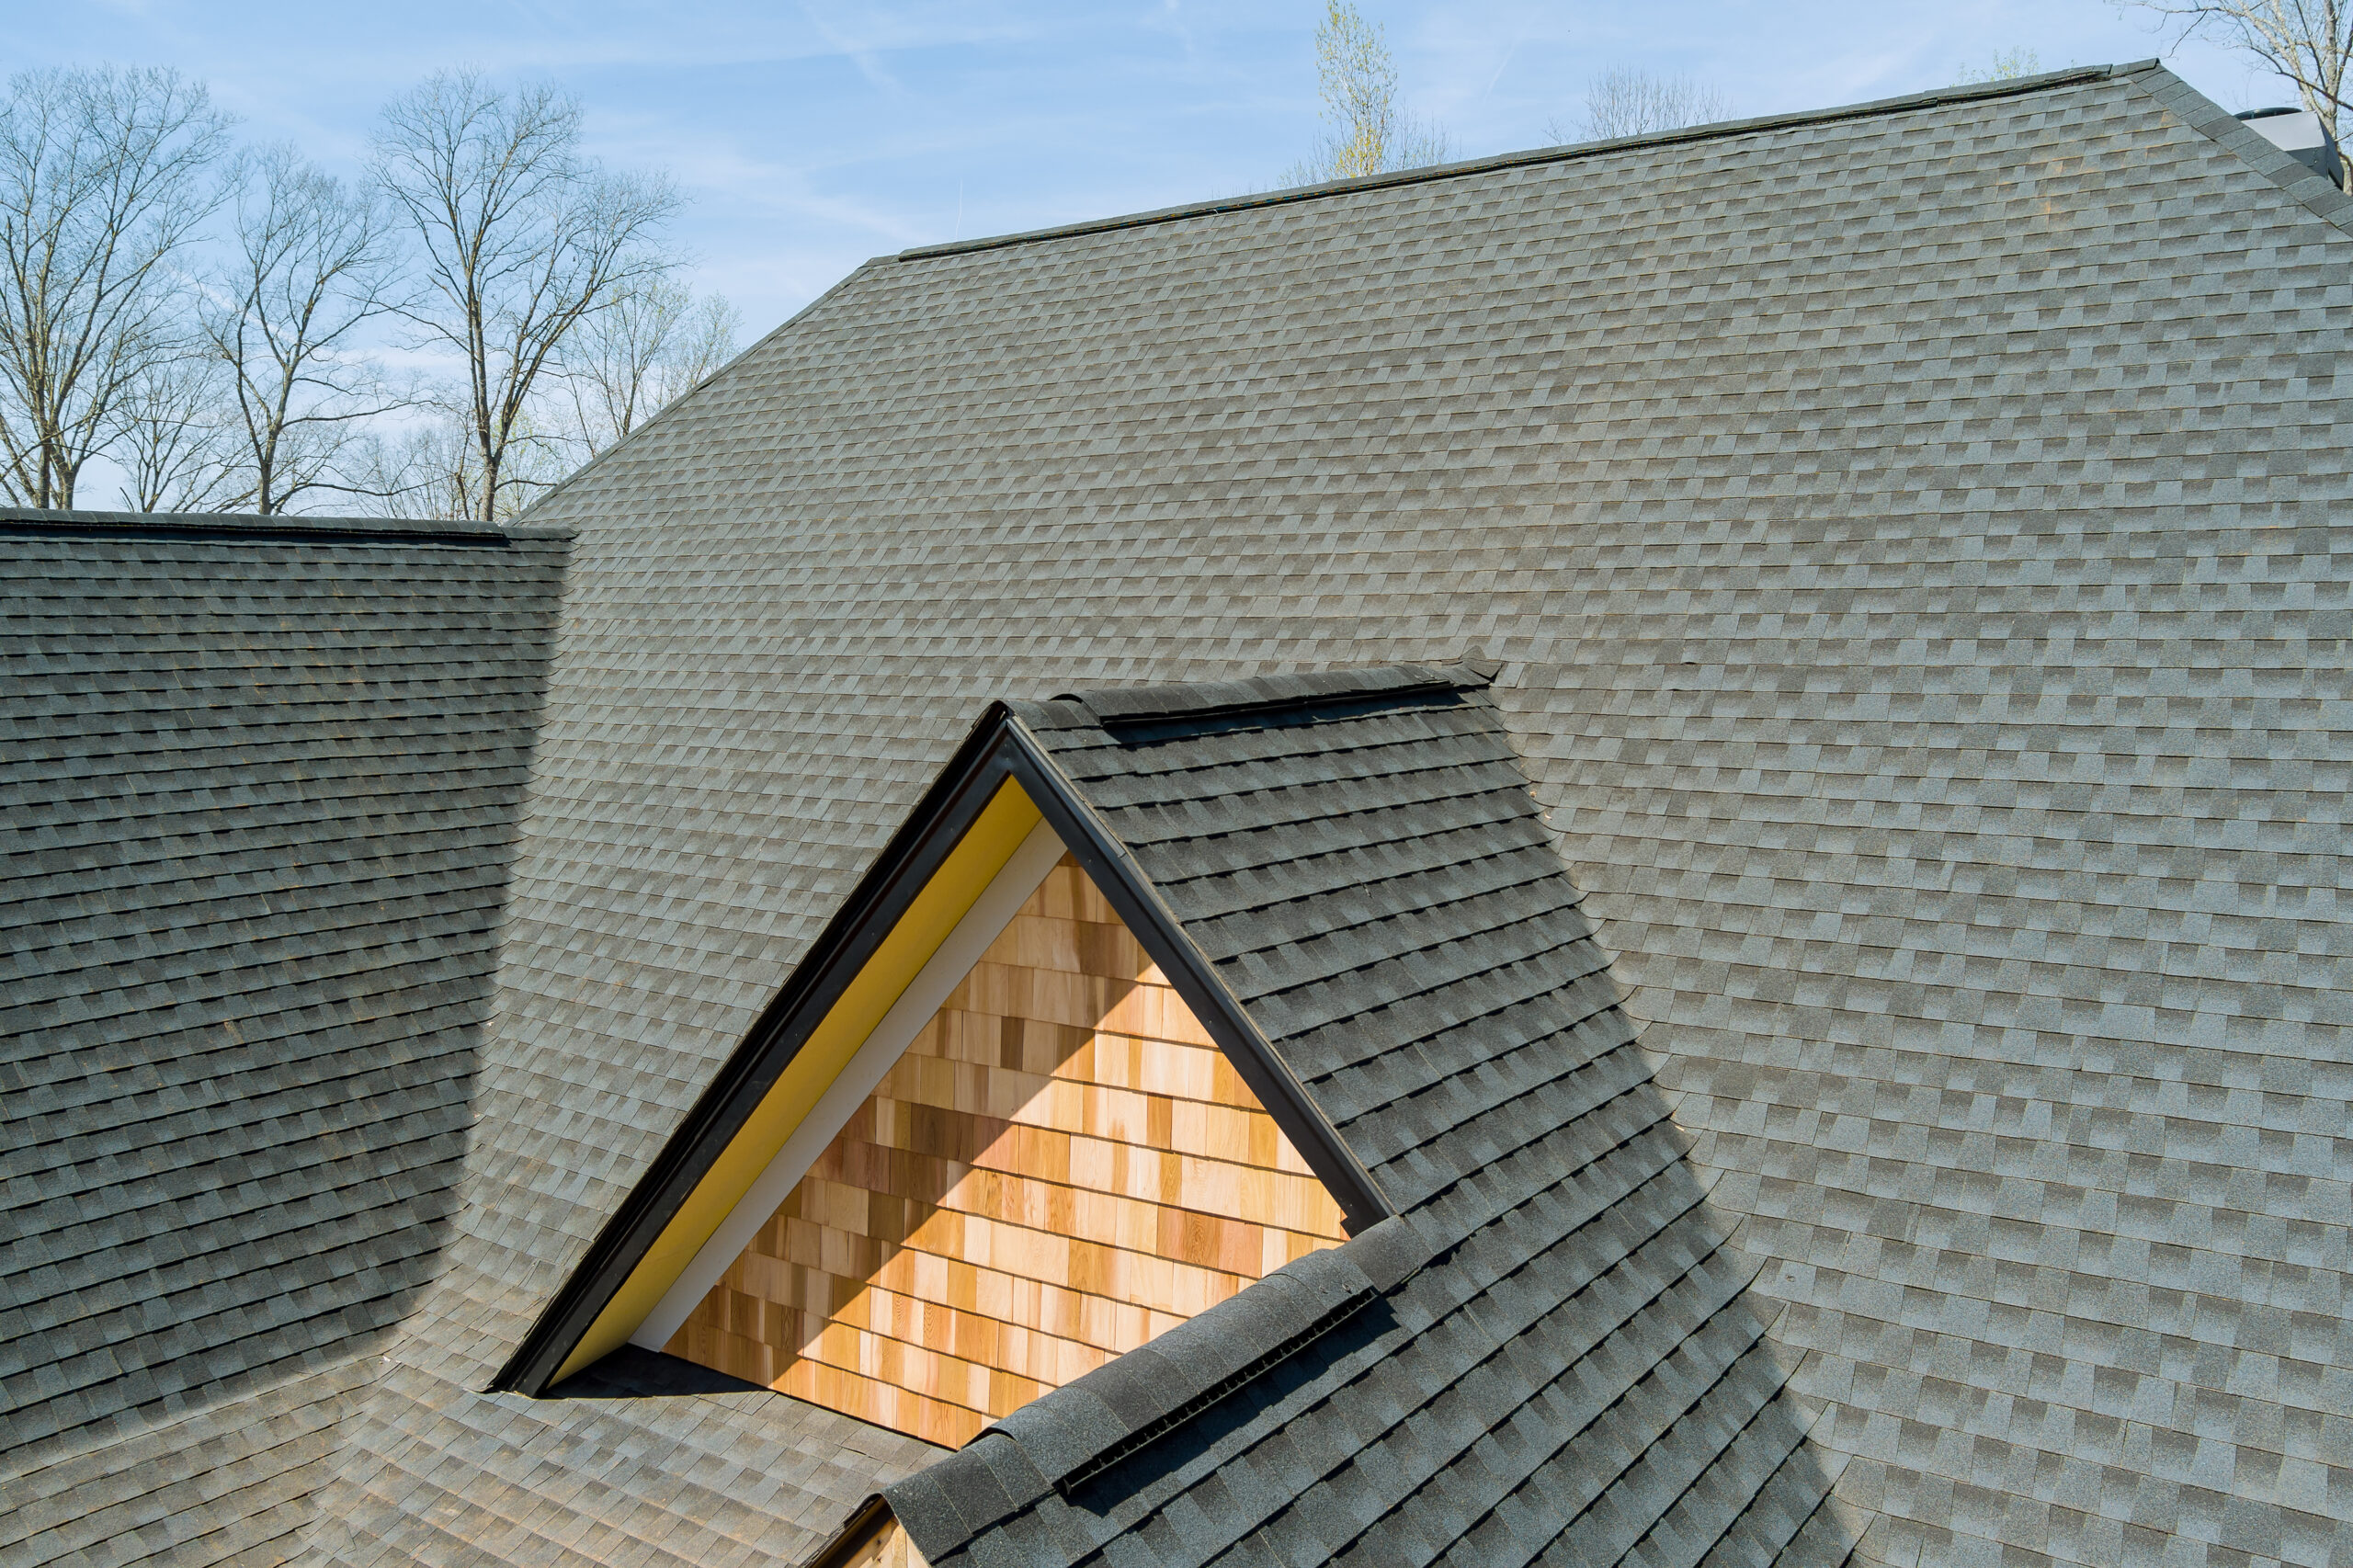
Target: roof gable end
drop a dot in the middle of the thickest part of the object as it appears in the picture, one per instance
(994, 822)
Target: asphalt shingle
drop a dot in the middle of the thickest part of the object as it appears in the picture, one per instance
(1601, 1322)
(1913, 540)
(262, 784)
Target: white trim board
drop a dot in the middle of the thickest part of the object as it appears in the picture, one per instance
(990, 915)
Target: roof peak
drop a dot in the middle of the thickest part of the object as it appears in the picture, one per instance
(2014, 87)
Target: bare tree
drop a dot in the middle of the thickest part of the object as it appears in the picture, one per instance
(2009, 65)
(630, 360)
(2307, 41)
(105, 176)
(310, 261)
(1626, 102)
(1371, 135)
(177, 450)
(522, 238)
(432, 468)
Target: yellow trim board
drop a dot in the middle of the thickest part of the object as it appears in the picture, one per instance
(950, 962)
(1000, 830)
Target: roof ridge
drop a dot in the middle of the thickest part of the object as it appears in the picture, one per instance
(2013, 87)
(1200, 699)
(253, 525)
(2312, 189)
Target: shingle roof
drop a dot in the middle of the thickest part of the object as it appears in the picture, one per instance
(1911, 539)
(266, 778)
(1548, 1353)
(261, 783)
(1913, 542)
(640, 1460)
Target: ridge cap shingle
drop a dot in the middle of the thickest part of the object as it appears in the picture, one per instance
(1070, 1434)
(1933, 97)
(1265, 693)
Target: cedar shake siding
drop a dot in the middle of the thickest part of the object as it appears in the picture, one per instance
(1061, 1168)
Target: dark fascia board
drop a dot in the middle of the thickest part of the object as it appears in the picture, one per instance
(242, 527)
(1149, 919)
(907, 863)
(999, 748)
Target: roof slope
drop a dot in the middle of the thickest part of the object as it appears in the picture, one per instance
(262, 784)
(1572, 1374)
(1915, 543)
(643, 1458)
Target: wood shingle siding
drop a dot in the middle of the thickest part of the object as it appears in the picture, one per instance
(1061, 1168)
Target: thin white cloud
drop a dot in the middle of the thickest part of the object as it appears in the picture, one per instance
(810, 137)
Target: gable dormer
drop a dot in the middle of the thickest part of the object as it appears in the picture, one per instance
(1001, 1126)
(1059, 1167)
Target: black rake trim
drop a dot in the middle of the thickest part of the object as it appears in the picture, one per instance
(1000, 747)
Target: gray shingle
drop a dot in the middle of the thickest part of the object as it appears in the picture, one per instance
(1913, 540)
(1601, 1324)
(262, 784)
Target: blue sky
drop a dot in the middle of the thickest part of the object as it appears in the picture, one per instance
(810, 137)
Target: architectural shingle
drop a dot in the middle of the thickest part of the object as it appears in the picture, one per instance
(1547, 1355)
(1910, 544)
(262, 785)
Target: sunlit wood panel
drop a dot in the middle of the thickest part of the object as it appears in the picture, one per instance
(877, 1543)
(1061, 1167)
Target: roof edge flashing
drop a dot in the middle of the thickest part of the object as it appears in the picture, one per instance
(1252, 694)
(243, 526)
(2013, 87)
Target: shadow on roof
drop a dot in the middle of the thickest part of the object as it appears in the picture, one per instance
(633, 1372)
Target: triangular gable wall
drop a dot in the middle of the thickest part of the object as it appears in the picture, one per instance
(1059, 1169)
(994, 823)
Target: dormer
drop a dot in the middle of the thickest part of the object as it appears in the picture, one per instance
(1004, 1124)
